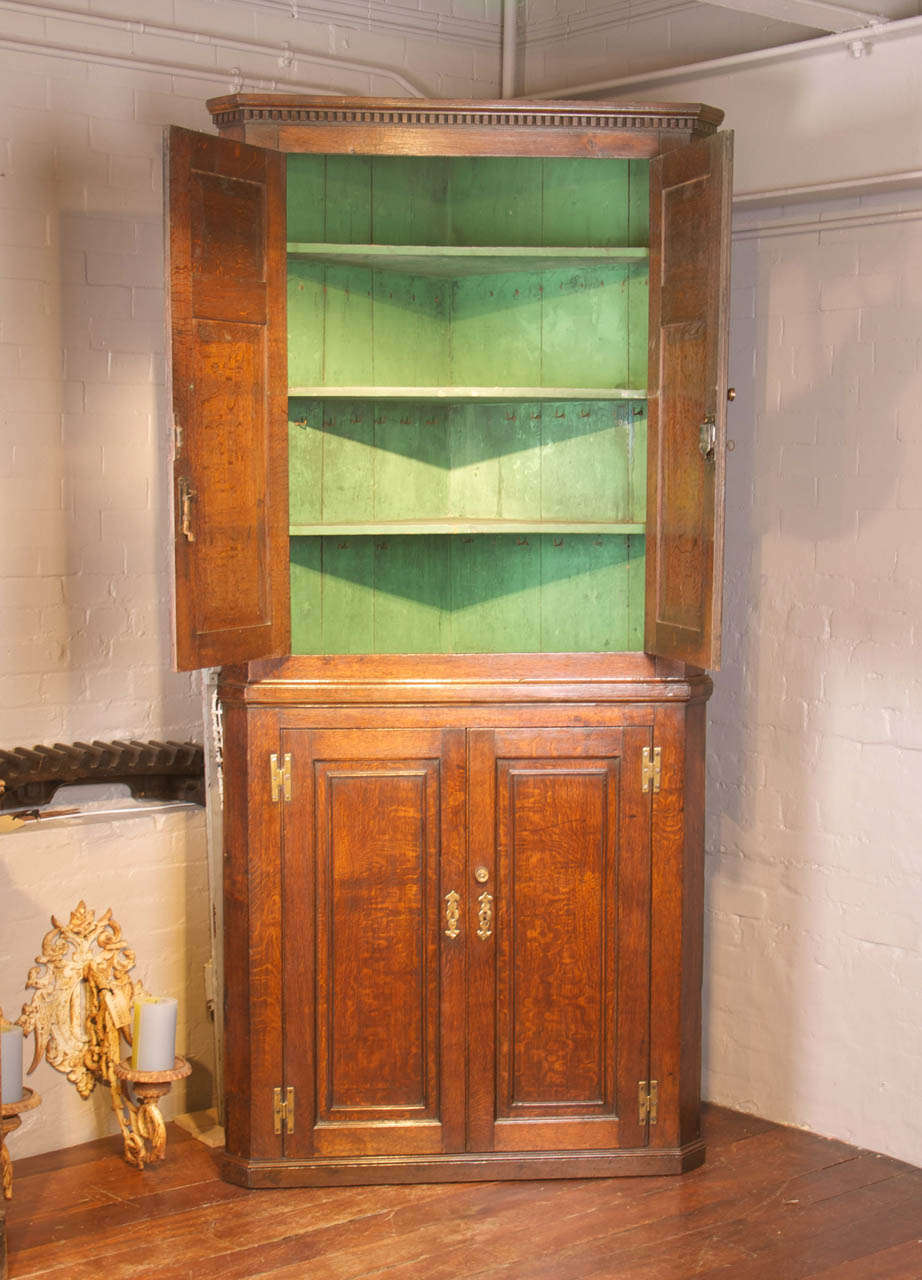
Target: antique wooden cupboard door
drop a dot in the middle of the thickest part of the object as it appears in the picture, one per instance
(226, 274)
(690, 189)
(559, 938)
(373, 973)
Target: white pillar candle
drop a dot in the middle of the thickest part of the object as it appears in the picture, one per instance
(11, 1059)
(153, 1034)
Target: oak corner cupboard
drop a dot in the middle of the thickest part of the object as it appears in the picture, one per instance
(449, 395)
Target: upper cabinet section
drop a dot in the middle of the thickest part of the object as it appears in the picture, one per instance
(464, 309)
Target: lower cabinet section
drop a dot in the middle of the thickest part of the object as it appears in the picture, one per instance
(446, 936)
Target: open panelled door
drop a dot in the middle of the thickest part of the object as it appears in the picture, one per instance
(226, 283)
(690, 190)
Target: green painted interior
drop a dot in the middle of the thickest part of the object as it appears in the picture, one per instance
(455, 498)
(467, 593)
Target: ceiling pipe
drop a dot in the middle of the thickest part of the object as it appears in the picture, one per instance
(863, 35)
(507, 89)
(285, 55)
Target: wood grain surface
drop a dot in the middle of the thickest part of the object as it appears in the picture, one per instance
(771, 1204)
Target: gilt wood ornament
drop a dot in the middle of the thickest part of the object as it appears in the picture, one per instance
(79, 1013)
(83, 996)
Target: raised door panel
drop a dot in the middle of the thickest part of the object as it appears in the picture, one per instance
(562, 829)
(226, 276)
(373, 986)
(689, 284)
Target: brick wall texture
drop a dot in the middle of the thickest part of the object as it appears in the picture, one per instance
(814, 927)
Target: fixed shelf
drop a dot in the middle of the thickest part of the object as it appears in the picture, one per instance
(372, 392)
(378, 528)
(464, 260)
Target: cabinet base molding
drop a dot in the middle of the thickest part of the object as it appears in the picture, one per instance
(486, 1167)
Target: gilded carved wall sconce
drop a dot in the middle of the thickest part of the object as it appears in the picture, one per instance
(79, 1014)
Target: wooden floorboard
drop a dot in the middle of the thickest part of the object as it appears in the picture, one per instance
(770, 1204)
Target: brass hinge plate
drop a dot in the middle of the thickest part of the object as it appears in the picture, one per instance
(651, 769)
(283, 1110)
(647, 1101)
(280, 777)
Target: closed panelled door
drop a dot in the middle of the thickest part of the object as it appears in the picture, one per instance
(374, 990)
(559, 938)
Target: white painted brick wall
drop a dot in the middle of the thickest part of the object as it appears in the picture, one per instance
(84, 508)
(814, 925)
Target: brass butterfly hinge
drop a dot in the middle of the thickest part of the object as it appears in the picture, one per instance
(283, 1110)
(280, 777)
(651, 769)
(647, 1100)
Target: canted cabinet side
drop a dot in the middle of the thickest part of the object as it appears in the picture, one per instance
(226, 275)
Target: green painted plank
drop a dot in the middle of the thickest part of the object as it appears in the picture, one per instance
(348, 623)
(496, 200)
(348, 200)
(305, 461)
(584, 595)
(306, 183)
(348, 483)
(496, 330)
(638, 306)
(411, 199)
(495, 461)
(412, 601)
(305, 322)
(348, 325)
(370, 391)
(585, 201)
(494, 580)
(462, 260)
(638, 459)
(411, 334)
(306, 580)
(639, 203)
(412, 462)
(585, 469)
(636, 591)
(584, 328)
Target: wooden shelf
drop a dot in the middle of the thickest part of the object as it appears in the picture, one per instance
(467, 393)
(461, 526)
(463, 260)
